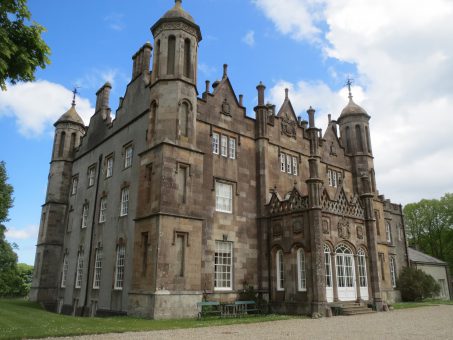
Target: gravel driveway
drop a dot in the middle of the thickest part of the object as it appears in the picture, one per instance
(417, 323)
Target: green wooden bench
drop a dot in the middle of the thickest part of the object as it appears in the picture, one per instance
(206, 308)
(246, 307)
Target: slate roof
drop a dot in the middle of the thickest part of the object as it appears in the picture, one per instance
(419, 257)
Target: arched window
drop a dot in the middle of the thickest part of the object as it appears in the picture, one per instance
(393, 271)
(184, 119)
(301, 276)
(171, 57)
(345, 266)
(358, 134)
(280, 270)
(73, 140)
(361, 258)
(152, 120)
(62, 142)
(348, 139)
(328, 266)
(187, 57)
(157, 59)
(368, 141)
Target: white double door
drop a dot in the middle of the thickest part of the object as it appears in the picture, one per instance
(346, 280)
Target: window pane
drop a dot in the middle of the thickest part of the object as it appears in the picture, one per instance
(223, 269)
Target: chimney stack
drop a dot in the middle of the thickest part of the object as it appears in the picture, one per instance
(261, 89)
(103, 97)
(142, 60)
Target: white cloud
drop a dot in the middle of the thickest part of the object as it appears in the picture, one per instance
(115, 21)
(29, 232)
(249, 38)
(37, 105)
(403, 59)
(95, 78)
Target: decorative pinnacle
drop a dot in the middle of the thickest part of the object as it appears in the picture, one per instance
(349, 84)
(178, 3)
(286, 93)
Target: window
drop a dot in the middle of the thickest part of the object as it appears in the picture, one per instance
(358, 133)
(280, 270)
(124, 202)
(224, 146)
(85, 215)
(224, 197)
(184, 120)
(182, 184)
(187, 56)
(91, 175)
(97, 269)
(388, 232)
(79, 273)
(400, 232)
(282, 162)
(128, 156)
(295, 166)
(334, 178)
(382, 260)
(328, 266)
(64, 274)
(223, 265)
(102, 208)
(362, 268)
(119, 268)
(232, 149)
(348, 139)
(62, 142)
(180, 253)
(75, 183)
(109, 170)
(171, 56)
(145, 253)
(288, 164)
(215, 143)
(301, 277)
(393, 271)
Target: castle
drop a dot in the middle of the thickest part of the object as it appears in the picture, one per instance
(180, 198)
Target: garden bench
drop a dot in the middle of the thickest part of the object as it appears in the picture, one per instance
(206, 308)
(246, 307)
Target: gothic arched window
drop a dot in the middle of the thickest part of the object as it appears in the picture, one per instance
(62, 142)
(184, 119)
(348, 139)
(187, 57)
(301, 275)
(171, 57)
(358, 135)
(280, 270)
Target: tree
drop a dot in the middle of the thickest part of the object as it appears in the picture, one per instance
(429, 226)
(416, 285)
(22, 48)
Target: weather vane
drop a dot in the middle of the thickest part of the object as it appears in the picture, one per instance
(349, 84)
(74, 92)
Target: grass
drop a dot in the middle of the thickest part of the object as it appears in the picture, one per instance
(424, 303)
(22, 319)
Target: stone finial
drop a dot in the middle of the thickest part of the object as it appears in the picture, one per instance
(178, 3)
(286, 93)
(225, 71)
(241, 100)
(329, 116)
(311, 117)
(208, 85)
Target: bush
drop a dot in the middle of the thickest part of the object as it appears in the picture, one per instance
(416, 285)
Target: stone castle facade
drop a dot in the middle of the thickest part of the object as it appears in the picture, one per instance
(181, 198)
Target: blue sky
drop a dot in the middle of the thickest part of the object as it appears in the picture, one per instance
(399, 55)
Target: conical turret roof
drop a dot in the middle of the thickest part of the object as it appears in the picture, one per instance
(352, 109)
(71, 116)
(178, 12)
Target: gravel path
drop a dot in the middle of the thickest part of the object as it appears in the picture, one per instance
(417, 323)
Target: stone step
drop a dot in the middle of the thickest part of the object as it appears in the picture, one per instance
(358, 312)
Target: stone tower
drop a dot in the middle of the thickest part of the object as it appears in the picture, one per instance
(69, 130)
(168, 233)
(355, 134)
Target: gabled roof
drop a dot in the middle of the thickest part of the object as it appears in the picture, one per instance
(287, 110)
(419, 257)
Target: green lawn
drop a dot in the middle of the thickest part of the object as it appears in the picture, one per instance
(424, 303)
(23, 319)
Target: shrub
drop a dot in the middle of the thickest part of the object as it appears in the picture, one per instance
(416, 285)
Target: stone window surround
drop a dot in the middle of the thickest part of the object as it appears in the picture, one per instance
(334, 177)
(289, 163)
(91, 175)
(280, 270)
(229, 150)
(109, 170)
(227, 266)
(74, 184)
(127, 161)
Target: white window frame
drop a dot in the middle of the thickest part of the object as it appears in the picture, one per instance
(328, 262)
(85, 212)
(124, 208)
(97, 269)
(393, 271)
(109, 169)
(279, 266)
(288, 164)
(295, 163)
(282, 162)
(361, 258)
(215, 143)
(75, 183)
(119, 267)
(79, 270)
(128, 154)
(91, 175)
(223, 266)
(64, 274)
(102, 209)
(334, 179)
(223, 203)
(232, 147)
(224, 146)
(388, 232)
(301, 273)
(329, 177)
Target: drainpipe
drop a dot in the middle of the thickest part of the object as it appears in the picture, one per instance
(93, 222)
